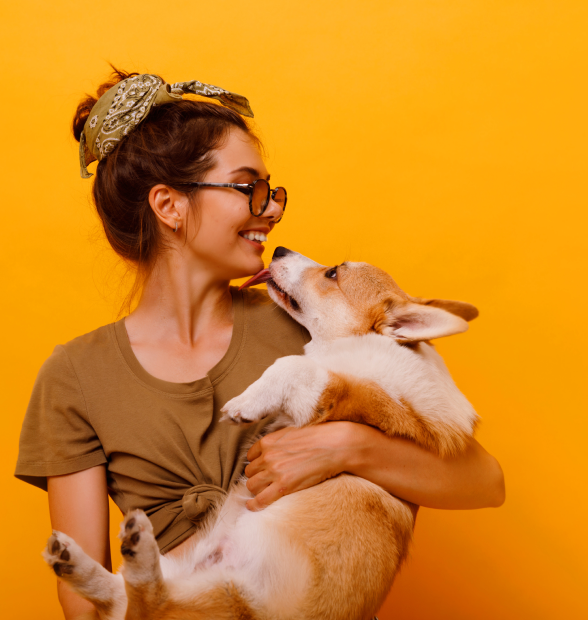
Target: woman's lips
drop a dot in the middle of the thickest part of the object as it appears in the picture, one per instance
(257, 244)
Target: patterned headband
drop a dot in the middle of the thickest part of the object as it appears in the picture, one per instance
(126, 104)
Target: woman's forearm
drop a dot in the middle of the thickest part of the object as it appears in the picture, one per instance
(78, 505)
(73, 605)
(293, 459)
(473, 479)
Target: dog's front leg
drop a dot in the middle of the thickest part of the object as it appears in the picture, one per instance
(291, 388)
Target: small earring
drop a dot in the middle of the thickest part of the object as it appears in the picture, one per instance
(176, 228)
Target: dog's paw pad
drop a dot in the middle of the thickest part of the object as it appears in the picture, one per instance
(59, 554)
(134, 527)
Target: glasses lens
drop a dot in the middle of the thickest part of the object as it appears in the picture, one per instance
(279, 196)
(260, 196)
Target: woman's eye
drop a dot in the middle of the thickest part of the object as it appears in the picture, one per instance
(331, 273)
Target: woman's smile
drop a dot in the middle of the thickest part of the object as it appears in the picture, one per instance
(255, 237)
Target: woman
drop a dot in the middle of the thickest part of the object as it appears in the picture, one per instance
(132, 409)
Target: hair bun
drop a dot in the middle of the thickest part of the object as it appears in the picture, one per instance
(85, 106)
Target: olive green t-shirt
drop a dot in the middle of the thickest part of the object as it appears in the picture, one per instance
(165, 449)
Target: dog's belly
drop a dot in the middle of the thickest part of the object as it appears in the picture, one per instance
(329, 551)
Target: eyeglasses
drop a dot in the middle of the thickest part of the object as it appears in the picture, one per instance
(259, 193)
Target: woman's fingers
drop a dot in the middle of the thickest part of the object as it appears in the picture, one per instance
(293, 459)
(253, 453)
(268, 496)
(255, 467)
(265, 443)
(256, 484)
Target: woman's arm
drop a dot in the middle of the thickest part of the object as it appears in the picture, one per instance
(293, 459)
(78, 506)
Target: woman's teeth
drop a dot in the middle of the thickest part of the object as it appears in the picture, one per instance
(255, 236)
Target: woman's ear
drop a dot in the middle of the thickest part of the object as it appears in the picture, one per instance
(413, 322)
(165, 203)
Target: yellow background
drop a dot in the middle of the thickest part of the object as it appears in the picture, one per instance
(445, 141)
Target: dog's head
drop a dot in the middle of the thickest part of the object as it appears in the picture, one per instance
(357, 298)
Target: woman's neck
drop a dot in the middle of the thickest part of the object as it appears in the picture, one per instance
(180, 303)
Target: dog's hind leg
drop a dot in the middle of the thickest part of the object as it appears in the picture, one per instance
(144, 584)
(86, 577)
(149, 597)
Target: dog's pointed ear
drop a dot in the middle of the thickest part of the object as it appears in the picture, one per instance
(459, 308)
(413, 322)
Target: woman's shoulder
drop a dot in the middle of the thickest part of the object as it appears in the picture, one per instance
(95, 338)
(91, 347)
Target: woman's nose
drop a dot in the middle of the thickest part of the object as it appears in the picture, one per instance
(273, 210)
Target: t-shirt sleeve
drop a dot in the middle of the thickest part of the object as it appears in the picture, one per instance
(57, 436)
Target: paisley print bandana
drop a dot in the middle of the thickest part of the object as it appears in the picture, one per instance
(129, 102)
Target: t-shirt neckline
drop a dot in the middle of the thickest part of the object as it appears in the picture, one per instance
(199, 385)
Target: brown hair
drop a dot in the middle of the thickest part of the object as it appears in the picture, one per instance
(173, 145)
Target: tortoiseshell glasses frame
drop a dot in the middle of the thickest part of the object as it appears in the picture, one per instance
(259, 193)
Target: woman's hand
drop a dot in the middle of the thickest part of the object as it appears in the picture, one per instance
(293, 459)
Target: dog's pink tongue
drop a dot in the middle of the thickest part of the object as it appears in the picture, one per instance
(258, 278)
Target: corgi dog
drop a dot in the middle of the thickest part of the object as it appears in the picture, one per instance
(331, 551)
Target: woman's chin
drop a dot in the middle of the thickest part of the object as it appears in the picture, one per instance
(248, 269)
(251, 251)
(255, 260)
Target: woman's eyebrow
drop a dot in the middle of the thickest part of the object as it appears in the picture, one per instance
(252, 171)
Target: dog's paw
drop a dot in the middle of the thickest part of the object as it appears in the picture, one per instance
(62, 554)
(88, 578)
(135, 531)
(245, 408)
(141, 557)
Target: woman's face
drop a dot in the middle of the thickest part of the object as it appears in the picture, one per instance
(216, 231)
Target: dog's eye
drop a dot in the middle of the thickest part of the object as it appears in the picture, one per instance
(331, 273)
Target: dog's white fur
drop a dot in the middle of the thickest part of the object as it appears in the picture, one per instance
(328, 552)
(293, 385)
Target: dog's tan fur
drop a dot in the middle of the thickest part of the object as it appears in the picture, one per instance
(342, 541)
(224, 602)
(365, 402)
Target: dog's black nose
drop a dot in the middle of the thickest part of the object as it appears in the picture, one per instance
(280, 251)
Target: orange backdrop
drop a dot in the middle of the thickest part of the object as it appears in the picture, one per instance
(445, 141)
